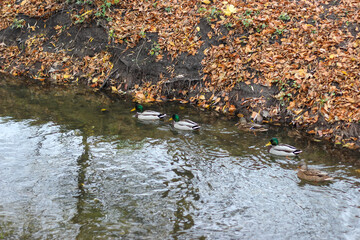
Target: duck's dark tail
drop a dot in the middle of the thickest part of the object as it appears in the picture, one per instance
(196, 127)
(162, 115)
(297, 151)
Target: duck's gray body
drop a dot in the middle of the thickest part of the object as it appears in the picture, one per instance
(150, 115)
(185, 124)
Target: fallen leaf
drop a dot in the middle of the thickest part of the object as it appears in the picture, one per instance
(230, 9)
(114, 89)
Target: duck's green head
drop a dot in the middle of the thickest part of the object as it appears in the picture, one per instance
(175, 117)
(138, 108)
(273, 141)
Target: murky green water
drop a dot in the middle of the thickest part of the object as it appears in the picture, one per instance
(70, 171)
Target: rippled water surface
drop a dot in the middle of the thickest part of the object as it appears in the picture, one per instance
(70, 171)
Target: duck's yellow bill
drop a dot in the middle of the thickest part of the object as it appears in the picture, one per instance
(268, 144)
(133, 109)
(170, 119)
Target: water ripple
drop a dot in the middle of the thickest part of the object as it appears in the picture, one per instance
(92, 175)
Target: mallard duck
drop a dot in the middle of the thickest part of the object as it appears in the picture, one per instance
(256, 117)
(282, 149)
(250, 126)
(147, 114)
(312, 174)
(185, 124)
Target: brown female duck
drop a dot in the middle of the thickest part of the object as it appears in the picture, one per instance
(314, 175)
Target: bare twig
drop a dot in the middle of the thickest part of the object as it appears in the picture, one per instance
(107, 79)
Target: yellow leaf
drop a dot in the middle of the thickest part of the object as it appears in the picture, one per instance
(31, 27)
(140, 95)
(202, 97)
(297, 112)
(114, 89)
(230, 9)
(94, 80)
(198, 29)
(332, 56)
(66, 76)
(350, 145)
(206, 1)
(87, 12)
(301, 73)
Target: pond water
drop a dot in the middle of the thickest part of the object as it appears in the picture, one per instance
(70, 171)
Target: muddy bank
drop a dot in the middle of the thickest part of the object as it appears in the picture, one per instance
(66, 48)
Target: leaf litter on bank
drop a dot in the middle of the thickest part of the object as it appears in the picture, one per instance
(309, 49)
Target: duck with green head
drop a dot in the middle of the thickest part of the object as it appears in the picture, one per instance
(147, 114)
(184, 124)
(314, 175)
(282, 149)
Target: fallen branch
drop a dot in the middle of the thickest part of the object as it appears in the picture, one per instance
(107, 80)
